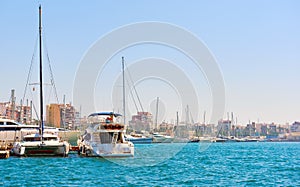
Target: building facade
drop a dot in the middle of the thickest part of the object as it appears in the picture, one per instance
(19, 113)
(61, 116)
(141, 121)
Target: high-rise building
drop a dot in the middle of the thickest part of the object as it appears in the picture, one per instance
(295, 127)
(53, 117)
(22, 114)
(61, 116)
(224, 127)
(141, 121)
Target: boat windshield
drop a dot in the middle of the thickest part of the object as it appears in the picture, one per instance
(36, 139)
(104, 119)
(9, 123)
(32, 139)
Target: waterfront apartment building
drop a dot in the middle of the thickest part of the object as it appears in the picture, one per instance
(4, 110)
(224, 127)
(141, 121)
(204, 129)
(61, 116)
(53, 115)
(19, 113)
(295, 127)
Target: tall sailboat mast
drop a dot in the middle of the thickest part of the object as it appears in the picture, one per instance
(41, 73)
(123, 74)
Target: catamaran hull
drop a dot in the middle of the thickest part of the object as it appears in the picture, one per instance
(41, 150)
(4, 154)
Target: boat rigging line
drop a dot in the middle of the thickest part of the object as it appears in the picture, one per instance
(52, 82)
(50, 69)
(134, 88)
(30, 68)
(132, 97)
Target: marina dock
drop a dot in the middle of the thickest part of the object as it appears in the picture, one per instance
(4, 150)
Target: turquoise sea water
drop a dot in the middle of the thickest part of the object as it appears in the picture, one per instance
(217, 164)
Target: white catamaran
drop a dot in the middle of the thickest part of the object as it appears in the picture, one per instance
(40, 143)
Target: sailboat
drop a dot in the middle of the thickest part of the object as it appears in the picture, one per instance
(41, 143)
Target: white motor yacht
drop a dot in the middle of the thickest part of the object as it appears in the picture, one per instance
(104, 137)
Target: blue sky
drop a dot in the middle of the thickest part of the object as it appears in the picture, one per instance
(256, 44)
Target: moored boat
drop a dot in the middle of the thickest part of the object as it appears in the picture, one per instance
(104, 137)
(206, 139)
(35, 144)
(138, 139)
(160, 138)
(251, 139)
(40, 143)
(10, 130)
(218, 139)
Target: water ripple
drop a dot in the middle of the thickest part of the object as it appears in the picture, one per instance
(227, 164)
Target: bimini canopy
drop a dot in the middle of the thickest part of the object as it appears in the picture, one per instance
(104, 114)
